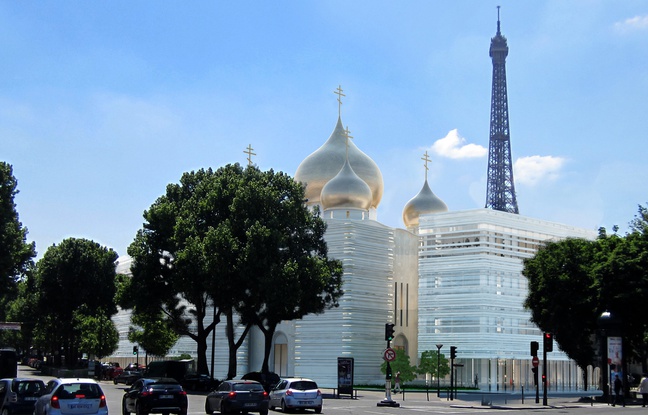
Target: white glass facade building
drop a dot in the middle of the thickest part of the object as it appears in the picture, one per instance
(472, 291)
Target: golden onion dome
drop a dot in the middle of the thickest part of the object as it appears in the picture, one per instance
(327, 161)
(346, 190)
(423, 203)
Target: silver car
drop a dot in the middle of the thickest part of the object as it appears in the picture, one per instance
(76, 396)
(296, 393)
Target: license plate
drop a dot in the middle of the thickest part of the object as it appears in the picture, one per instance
(166, 396)
(250, 404)
(30, 398)
(80, 405)
(306, 402)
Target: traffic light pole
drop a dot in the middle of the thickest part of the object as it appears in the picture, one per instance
(544, 376)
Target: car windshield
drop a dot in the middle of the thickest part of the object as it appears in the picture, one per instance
(303, 385)
(79, 391)
(251, 387)
(28, 388)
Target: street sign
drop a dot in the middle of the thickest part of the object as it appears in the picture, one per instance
(535, 361)
(389, 354)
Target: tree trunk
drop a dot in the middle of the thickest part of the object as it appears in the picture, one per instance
(233, 344)
(268, 334)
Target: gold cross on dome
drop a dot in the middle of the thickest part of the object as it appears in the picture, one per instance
(339, 93)
(250, 153)
(426, 158)
(348, 136)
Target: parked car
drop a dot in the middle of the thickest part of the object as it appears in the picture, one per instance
(18, 395)
(296, 393)
(234, 396)
(198, 382)
(71, 396)
(155, 395)
(135, 367)
(127, 377)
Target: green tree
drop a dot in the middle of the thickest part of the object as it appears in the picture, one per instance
(400, 364)
(98, 335)
(75, 278)
(16, 255)
(430, 361)
(153, 334)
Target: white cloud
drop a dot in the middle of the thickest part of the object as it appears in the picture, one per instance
(632, 24)
(535, 169)
(454, 146)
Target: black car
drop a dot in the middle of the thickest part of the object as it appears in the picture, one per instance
(198, 382)
(18, 395)
(128, 377)
(234, 396)
(155, 395)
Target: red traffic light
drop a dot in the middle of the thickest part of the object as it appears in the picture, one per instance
(548, 342)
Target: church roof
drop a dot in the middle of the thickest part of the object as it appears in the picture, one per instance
(423, 203)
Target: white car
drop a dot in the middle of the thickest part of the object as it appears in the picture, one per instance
(73, 396)
(296, 393)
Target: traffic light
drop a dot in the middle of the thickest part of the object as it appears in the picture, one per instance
(534, 349)
(389, 332)
(548, 342)
(453, 352)
(135, 349)
(535, 376)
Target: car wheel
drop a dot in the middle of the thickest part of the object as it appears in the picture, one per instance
(5, 411)
(115, 381)
(284, 408)
(263, 412)
(223, 408)
(318, 410)
(139, 411)
(124, 410)
(208, 409)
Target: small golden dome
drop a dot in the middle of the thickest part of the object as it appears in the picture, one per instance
(423, 203)
(346, 190)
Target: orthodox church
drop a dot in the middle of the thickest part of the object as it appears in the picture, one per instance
(445, 279)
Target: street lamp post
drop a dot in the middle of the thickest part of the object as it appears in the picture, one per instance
(438, 346)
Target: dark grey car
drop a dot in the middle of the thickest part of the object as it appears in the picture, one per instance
(233, 396)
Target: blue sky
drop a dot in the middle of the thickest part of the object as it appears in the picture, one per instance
(102, 104)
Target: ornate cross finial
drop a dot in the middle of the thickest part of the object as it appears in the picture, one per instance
(426, 158)
(250, 153)
(339, 93)
(348, 137)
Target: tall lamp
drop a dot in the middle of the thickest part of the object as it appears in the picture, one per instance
(438, 346)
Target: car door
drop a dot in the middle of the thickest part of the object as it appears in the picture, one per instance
(277, 393)
(131, 394)
(217, 396)
(3, 394)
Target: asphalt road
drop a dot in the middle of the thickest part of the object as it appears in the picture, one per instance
(367, 403)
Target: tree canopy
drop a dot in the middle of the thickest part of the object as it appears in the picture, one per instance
(235, 239)
(75, 284)
(16, 255)
(571, 282)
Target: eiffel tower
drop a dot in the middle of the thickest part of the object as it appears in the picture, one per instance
(500, 188)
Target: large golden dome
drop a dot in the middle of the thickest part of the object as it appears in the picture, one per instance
(327, 161)
(423, 203)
